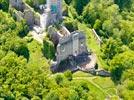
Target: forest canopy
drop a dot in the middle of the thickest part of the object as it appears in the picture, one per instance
(24, 64)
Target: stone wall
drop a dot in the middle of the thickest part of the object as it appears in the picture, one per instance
(73, 44)
(25, 12)
(18, 4)
(29, 17)
(98, 39)
(67, 43)
(54, 35)
(63, 51)
(18, 15)
(36, 19)
(56, 10)
(64, 31)
(44, 20)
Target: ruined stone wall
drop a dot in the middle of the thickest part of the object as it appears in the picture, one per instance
(25, 12)
(54, 35)
(52, 14)
(64, 48)
(29, 17)
(82, 46)
(73, 44)
(98, 39)
(18, 4)
(63, 51)
(45, 19)
(64, 31)
(36, 19)
(18, 15)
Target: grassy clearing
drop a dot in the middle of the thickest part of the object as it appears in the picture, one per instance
(111, 91)
(104, 82)
(100, 86)
(93, 89)
(81, 74)
(103, 85)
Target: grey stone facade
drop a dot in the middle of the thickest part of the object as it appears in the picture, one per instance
(29, 16)
(55, 7)
(72, 45)
(16, 4)
(52, 12)
(67, 44)
(24, 11)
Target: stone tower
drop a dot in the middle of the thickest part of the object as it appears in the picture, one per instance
(55, 7)
(52, 13)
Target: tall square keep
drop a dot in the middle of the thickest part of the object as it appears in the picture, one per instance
(55, 7)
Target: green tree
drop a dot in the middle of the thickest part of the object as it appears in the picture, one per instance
(79, 5)
(131, 45)
(59, 79)
(52, 95)
(124, 3)
(23, 29)
(48, 49)
(120, 63)
(4, 4)
(68, 1)
(73, 95)
(97, 24)
(71, 24)
(68, 75)
(111, 48)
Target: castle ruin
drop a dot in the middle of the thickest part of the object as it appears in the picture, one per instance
(67, 44)
(70, 46)
(48, 14)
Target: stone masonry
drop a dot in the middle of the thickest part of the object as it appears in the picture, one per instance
(73, 44)
(67, 44)
(52, 13)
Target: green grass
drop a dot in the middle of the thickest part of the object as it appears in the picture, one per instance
(103, 85)
(104, 82)
(99, 94)
(81, 74)
(111, 91)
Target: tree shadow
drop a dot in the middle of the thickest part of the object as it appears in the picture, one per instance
(23, 51)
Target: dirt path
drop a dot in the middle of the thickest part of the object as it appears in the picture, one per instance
(38, 37)
(91, 64)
